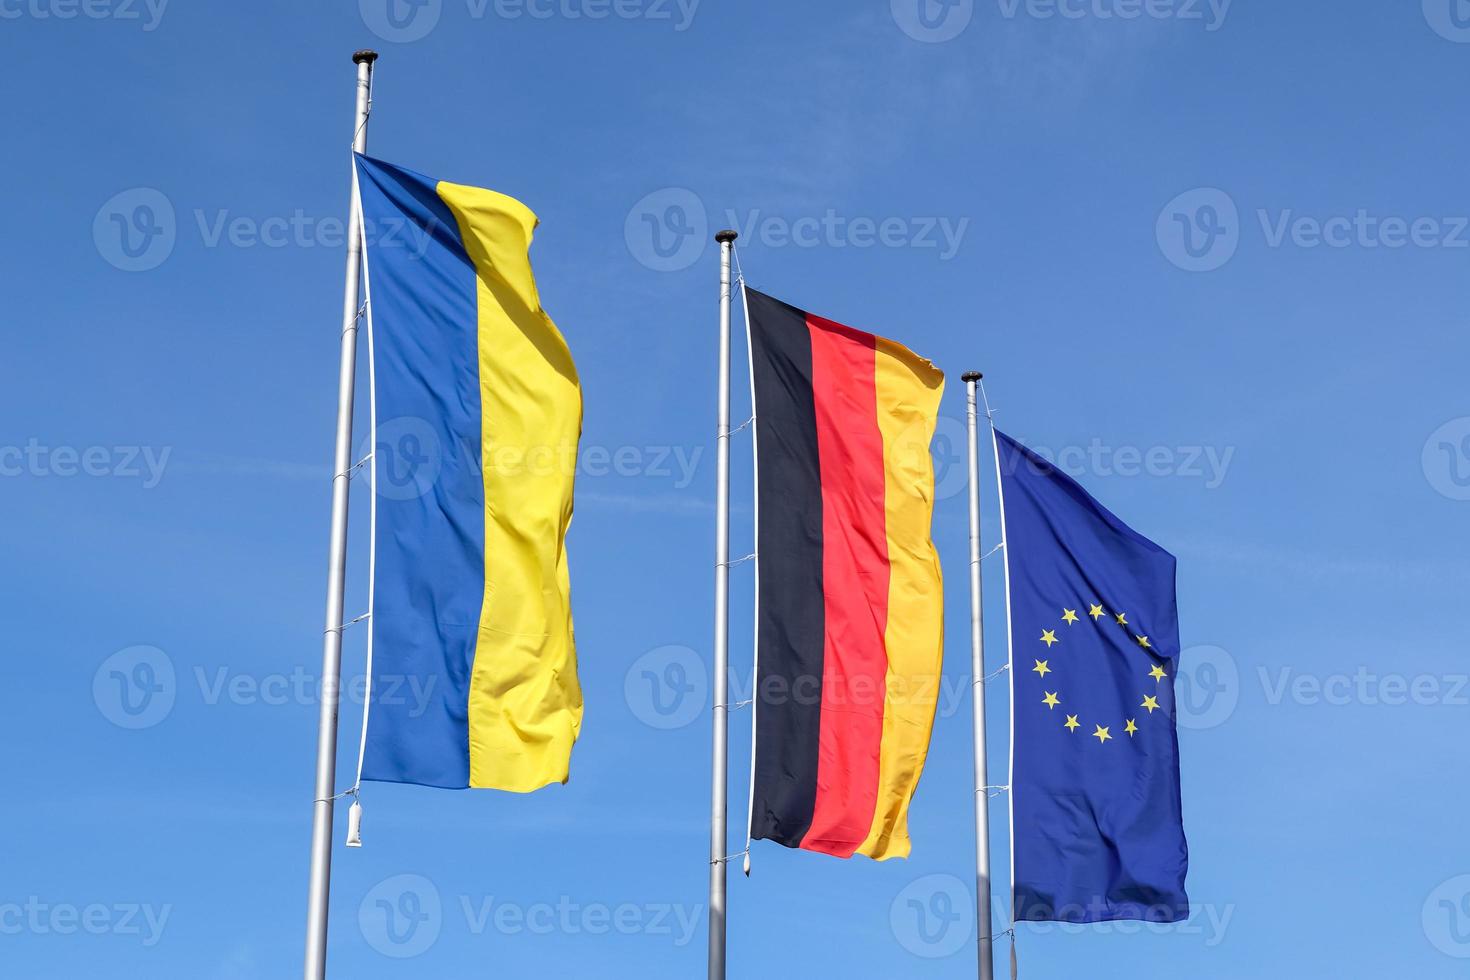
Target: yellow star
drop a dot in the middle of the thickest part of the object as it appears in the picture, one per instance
(1071, 724)
(1048, 637)
(1122, 619)
(1157, 673)
(1131, 728)
(1101, 735)
(1042, 668)
(1095, 611)
(1069, 616)
(1143, 642)
(1150, 703)
(1051, 700)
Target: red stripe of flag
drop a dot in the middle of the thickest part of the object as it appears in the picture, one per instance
(854, 584)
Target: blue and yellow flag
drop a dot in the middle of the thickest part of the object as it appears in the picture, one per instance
(479, 411)
(1095, 648)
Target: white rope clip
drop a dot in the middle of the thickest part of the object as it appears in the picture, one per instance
(338, 629)
(352, 470)
(995, 673)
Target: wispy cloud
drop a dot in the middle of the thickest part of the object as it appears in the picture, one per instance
(240, 963)
(661, 503)
(248, 466)
(1303, 564)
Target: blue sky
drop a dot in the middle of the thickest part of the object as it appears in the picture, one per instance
(1212, 256)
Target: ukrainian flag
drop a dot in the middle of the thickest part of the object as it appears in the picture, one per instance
(478, 415)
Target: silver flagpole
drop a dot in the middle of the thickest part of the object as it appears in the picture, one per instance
(326, 735)
(977, 670)
(720, 789)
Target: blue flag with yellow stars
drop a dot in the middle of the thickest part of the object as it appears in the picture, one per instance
(1098, 831)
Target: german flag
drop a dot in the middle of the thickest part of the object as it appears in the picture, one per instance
(850, 620)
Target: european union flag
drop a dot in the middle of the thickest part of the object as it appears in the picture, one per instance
(1098, 831)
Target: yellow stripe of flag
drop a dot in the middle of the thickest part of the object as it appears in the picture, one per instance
(908, 392)
(525, 702)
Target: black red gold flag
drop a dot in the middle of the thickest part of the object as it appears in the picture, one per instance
(850, 625)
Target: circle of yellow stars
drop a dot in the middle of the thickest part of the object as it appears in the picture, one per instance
(1052, 700)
